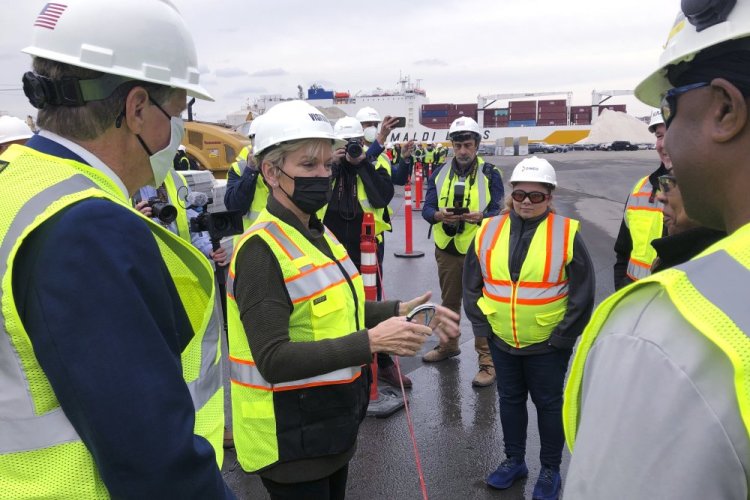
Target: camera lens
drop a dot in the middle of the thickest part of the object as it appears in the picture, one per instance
(353, 149)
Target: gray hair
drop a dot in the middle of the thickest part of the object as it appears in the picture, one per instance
(91, 120)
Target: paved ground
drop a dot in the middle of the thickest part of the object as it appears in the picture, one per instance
(457, 427)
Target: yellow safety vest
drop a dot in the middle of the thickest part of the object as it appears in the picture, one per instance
(41, 454)
(526, 311)
(176, 185)
(260, 197)
(699, 292)
(324, 307)
(429, 156)
(476, 198)
(645, 221)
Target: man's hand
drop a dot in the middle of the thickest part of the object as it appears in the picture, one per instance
(389, 123)
(443, 215)
(473, 217)
(405, 308)
(356, 161)
(338, 154)
(407, 149)
(219, 256)
(143, 207)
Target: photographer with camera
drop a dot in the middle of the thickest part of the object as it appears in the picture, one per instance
(459, 195)
(167, 206)
(359, 187)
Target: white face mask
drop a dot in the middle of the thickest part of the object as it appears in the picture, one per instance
(162, 160)
(371, 133)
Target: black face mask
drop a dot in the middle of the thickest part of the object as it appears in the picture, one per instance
(310, 193)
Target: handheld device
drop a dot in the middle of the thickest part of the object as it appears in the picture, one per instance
(457, 210)
(401, 123)
(422, 314)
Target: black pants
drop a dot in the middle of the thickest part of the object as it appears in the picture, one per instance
(332, 487)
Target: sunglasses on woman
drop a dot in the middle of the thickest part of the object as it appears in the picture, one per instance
(534, 196)
(667, 183)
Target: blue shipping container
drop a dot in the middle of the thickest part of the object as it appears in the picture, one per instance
(522, 123)
(319, 94)
(434, 113)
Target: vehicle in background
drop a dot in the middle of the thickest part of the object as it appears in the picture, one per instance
(542, 147)
(604, 146)
(622, 146)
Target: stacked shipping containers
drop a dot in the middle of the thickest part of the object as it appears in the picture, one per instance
(436, 115)
(580, 115)
(497, 117)
(614, 107)
(552, 112)
(522, 113)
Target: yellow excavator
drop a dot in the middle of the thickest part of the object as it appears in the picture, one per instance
(212, 146)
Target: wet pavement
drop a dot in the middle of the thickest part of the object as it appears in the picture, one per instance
(457, 427)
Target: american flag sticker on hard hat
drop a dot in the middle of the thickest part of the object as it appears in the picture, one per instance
(49, 15)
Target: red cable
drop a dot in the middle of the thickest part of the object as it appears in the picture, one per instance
(409, 422)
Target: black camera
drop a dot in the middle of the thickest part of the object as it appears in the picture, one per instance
(163, 211)
(459, 190)
(353, 148)
(218, 225)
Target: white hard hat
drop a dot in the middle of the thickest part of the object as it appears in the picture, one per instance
(13, 129)
(389, 145)
(290, 121)
(368, 114)
(253, 128)
(348, 128)
(719, 21)
(145, 40)
(534, 169)
(656, 119)
(464, 124)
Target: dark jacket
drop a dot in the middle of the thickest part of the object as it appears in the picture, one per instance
(681, 247)
(344, 213)
(624, 242)
(581, 285)
(240, 189)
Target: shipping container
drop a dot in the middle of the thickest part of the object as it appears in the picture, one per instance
(552, 115)
(466, 108)
(318, 93)
(522, 116)
(580, 109)
(556, 103)
(522, 104)
(438, 107)
(559, 122)
(522, 123)
(440, 119)
(579, 119)
(499, 112)
(427, 113)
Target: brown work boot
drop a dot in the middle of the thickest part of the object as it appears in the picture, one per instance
(390, 375)
(485, 377)
(442, 352)
(486, 374)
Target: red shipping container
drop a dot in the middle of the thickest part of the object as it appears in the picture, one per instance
(438, 107)
(543, 123)
(581, 109)
(466, 107)
(552, 115)
(436, 120)
(614, 107)
(522, 103)
(522, 116)
(552, 104)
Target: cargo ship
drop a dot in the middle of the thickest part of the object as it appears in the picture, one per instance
(502, 117)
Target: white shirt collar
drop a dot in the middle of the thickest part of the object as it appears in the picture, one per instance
(88, 157)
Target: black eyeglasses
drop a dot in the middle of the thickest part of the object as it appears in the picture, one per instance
(669, 102)
(667, 183)
(534, 196)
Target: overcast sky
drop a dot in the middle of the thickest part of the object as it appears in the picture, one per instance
(458, 49)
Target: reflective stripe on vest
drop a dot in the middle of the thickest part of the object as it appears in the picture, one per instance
(705, 292)
(245, 373)
(478, 194)
(645, 222)
(525, 312)
(175, 185)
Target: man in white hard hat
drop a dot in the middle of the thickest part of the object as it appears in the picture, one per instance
(643, 220)
(376, 130)
(657, 404)
(459, 195)
(111, 364)
(13, 131)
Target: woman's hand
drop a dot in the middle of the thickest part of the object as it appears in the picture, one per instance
(405, 308)
(398, 336)
(445, 324)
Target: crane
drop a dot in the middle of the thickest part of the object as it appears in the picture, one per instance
(596, 100)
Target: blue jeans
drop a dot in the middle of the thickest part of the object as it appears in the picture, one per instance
(542, 376)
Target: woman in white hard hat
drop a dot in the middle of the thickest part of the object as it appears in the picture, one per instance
(529, 285)
(298, 322)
